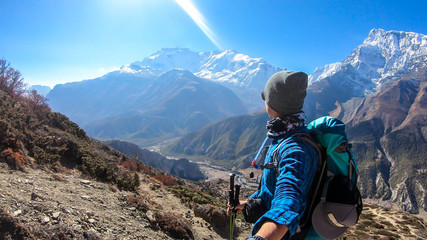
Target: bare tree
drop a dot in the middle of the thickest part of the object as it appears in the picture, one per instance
(11, 80)
(36, 101)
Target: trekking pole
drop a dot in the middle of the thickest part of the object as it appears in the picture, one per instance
(231, 202)
(233, 209)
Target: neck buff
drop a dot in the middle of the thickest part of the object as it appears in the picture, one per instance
(282, 125)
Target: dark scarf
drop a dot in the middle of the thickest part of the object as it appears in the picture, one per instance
(282, 125)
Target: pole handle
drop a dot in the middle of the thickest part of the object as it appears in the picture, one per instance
(231, 190)
(236, 195)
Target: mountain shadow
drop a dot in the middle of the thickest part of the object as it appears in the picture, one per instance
(182, 167)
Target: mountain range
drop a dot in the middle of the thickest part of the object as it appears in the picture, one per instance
(166, 95)
(144, 108)
(242, 74)
(379, 91)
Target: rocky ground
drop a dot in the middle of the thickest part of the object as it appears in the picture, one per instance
(48, 205)
(386, 224)
(41, 204)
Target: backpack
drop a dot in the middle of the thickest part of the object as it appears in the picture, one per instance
(334, 201)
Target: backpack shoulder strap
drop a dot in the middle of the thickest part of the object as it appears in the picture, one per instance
(314, 193)
(305, 138)
(275, 163)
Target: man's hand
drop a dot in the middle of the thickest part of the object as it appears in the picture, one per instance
(238, 208)
(272, 231)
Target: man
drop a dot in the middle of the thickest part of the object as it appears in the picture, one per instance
(284, 188)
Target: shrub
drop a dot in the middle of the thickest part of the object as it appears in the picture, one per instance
(145, 169)
(126, 181)
(138, 202)
(166, 179)
(4, 130)
(190, 195)
(14, 154)
(129, 165)
(61, 122)
(134, 165)
(177, 226)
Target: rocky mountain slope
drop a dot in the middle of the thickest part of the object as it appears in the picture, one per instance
(389, 132)
(48, 205)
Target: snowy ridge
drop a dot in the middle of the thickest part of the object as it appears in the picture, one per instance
(229, 66)
(382, 58)
(321, 73)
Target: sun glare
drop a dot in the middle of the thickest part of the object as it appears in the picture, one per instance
(194, 13)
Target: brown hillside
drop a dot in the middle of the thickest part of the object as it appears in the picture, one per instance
(389, 131)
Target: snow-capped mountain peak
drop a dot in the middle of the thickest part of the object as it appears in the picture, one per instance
(382, 58)
(228, 67)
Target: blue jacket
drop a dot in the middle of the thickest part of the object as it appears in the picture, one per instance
(285, 192)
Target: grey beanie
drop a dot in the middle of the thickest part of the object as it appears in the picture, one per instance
(285, 92)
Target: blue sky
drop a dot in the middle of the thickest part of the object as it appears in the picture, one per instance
(57, 41)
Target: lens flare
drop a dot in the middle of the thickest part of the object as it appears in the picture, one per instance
(194, 13)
